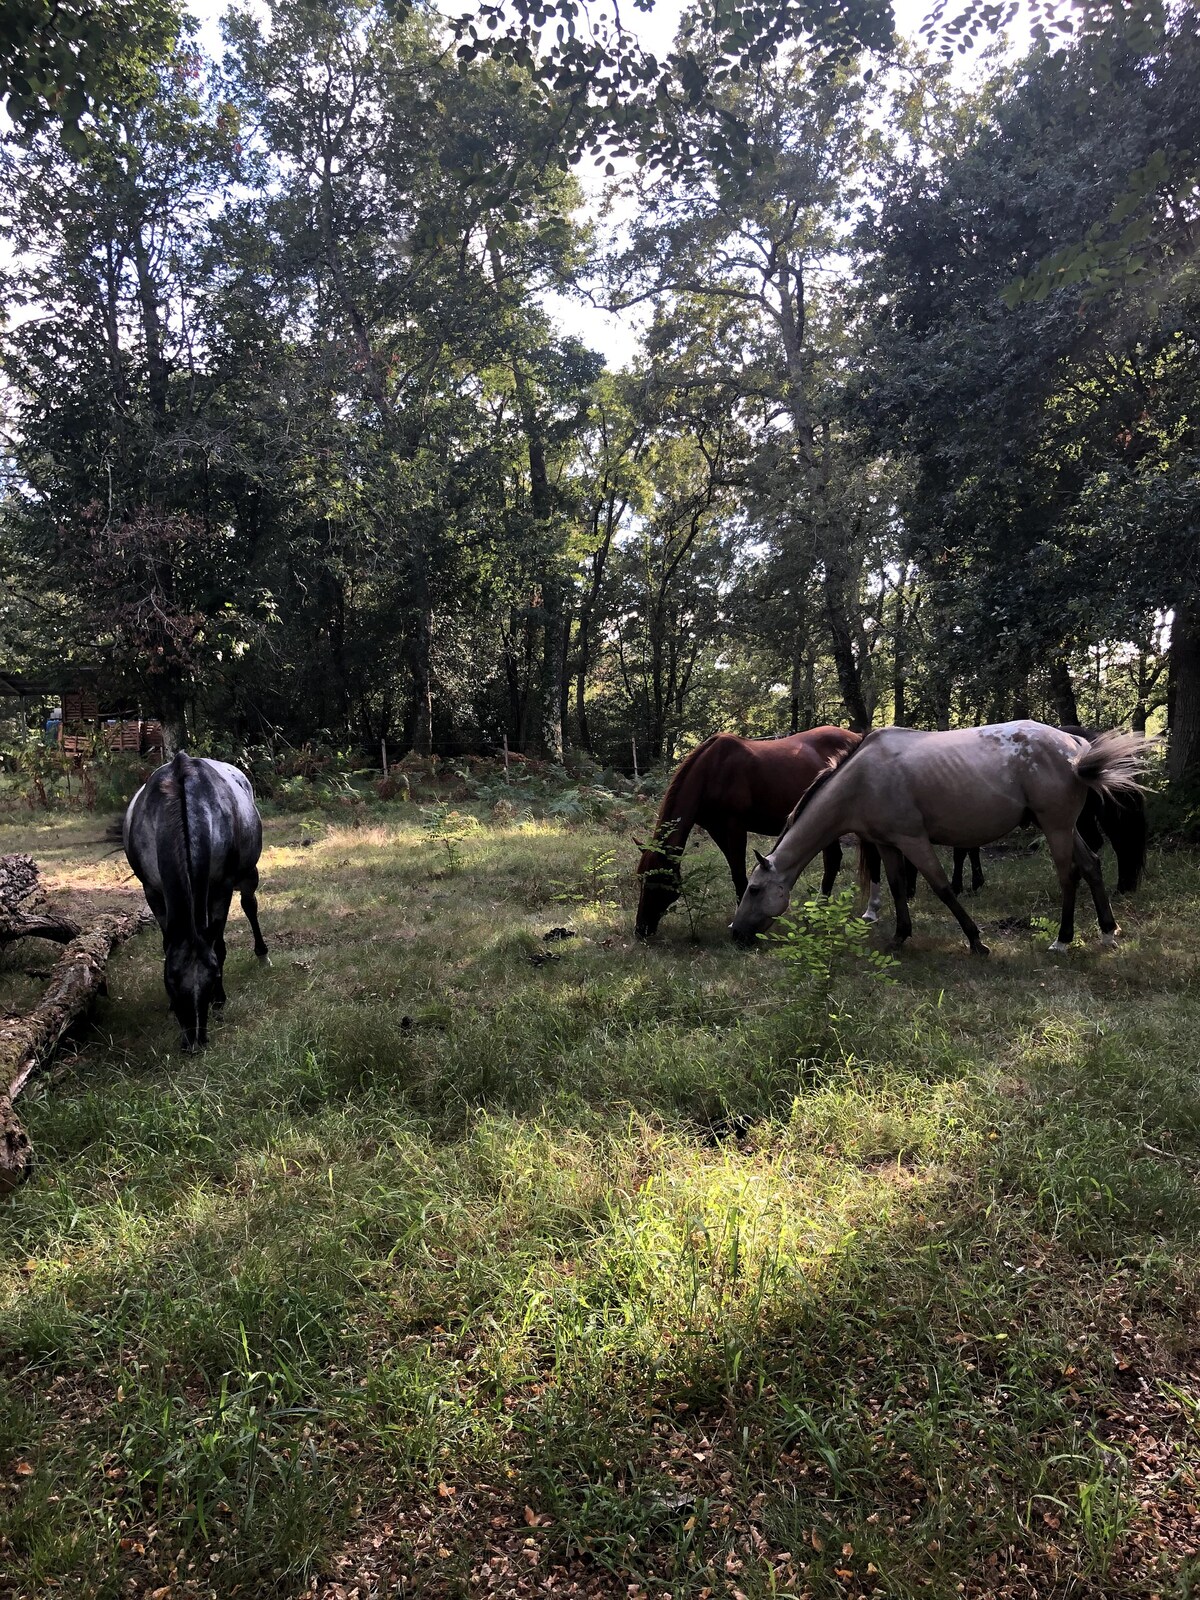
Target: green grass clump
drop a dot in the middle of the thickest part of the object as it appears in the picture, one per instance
(668, 1269)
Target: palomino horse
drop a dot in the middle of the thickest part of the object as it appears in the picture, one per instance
(1121, 819)
(906, 791)
(193, 835)
(730, 787)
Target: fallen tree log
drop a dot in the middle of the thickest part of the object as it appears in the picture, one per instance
(23, 910)
(27, 1043)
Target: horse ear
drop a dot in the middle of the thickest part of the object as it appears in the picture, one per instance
(761, 859)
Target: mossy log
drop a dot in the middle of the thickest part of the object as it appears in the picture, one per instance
(23, 910)
(28, 1042)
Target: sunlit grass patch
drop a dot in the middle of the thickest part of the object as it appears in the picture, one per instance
(725, 1279)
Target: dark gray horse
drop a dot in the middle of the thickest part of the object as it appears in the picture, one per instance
(193, 835)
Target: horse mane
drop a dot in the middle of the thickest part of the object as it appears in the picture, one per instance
(681, 775)
(835, 765)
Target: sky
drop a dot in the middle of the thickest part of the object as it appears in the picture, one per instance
(615, 335)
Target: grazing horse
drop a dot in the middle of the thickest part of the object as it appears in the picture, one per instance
(906, 791)
(1121, 819)
(193, 835)
(730, 787)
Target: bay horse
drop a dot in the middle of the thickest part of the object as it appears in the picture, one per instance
(1121, 819)
(906, 791)
(731, 787)
(192, 835)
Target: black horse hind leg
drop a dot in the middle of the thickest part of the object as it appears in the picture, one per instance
(831, 858)
(1062, 853)
(977, 878)
(218, 917)
(1088, 862)
(250, 906)
(896, 868)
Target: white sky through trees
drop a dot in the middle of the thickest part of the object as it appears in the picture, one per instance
(614, 334)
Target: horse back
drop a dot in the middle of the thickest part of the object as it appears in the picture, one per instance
(191, 826)
(756, 782)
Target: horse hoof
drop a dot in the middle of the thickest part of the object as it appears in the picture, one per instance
(1108, 941)
(1057, 947)
(870, 916)
(980, 949)
(264, 959)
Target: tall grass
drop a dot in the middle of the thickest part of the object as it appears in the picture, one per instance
(647, 1269)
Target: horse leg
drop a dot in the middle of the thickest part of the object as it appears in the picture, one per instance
(1088, 862)
(831, 856)
(977, 878)
(924, 857)
(731, 842)
(870, 860)
(910, 879)
(897, 876)
(158, 905)
(216, 937)
(1062, 853)
(250, 906)
(1087, 826)
(960, 861)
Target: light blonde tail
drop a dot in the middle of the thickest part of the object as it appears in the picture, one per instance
(1113, 763)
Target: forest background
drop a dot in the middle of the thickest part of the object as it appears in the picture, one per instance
(299, 445)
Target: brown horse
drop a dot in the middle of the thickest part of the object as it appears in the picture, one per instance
(907, 791)
(732, 787)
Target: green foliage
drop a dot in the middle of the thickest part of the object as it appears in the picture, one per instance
(597, 884)
(448, 829)
(825, 938)
(58, 62)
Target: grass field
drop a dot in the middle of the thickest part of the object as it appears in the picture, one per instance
(467, 1263)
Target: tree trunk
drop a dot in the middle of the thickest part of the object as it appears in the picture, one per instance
(582, 666)
(552, 666)
(27, 1043)
(156, 370)
(1062, 692)
(23, 911)
(841, 640)
(900, 661)
(1183, 751)
(420, 652)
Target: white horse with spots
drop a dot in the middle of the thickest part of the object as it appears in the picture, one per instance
(905, 791)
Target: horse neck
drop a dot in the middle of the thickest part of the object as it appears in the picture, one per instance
(818, 824)
(677, 815)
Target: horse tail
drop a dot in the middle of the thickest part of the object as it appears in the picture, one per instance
(1124, 821)
(1112, 764)
(175, 861)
